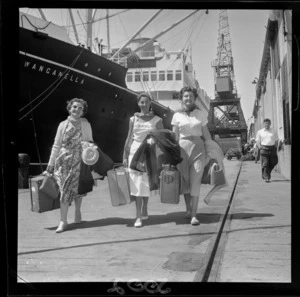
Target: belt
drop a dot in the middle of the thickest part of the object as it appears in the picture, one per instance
(191, 138)
(268, 147)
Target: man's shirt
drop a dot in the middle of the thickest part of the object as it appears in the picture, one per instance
(266, 137)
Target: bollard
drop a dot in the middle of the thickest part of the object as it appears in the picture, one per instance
(23, 171)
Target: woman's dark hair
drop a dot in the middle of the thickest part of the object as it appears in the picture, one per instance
(81, 101)
(138, 98)
(267, 120)
(188, 89)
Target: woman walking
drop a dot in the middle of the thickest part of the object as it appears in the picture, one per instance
(189, 126)
(139, 127)
(65, 158)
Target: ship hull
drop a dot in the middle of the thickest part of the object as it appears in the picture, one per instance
(53, 72)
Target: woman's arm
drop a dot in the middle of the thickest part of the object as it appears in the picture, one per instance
(159, 125)
(205, 133)
(56, 147)
(90, 133)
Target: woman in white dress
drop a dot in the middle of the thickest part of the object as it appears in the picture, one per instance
(139, 127)
(189, 126)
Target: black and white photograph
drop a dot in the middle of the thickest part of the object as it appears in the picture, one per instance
(153, 146)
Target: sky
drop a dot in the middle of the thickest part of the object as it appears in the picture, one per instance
(247, 32)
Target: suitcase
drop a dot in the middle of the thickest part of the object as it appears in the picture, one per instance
(118, 181)
(40, 202)
(169, 185)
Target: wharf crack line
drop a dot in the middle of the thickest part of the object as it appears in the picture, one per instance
(112, 242)
(216, 244)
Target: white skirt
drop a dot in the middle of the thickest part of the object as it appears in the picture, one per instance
(139, 181)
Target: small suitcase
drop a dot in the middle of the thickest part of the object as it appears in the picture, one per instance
(40, 202)
(118, 181)
(169, 185)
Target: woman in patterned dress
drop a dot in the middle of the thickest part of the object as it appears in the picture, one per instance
(65, 158)
(189, 126)
(139, 127)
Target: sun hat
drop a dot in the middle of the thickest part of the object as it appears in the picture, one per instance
(90, 155)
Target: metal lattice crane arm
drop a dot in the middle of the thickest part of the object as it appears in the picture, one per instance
(226, 118)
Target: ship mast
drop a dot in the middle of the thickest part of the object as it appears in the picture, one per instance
(89, 28)
(138, 32)
(42, 14)
(73, 24)
(160, 34)
(108, 36)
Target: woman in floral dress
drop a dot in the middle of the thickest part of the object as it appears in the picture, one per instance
(65, 159)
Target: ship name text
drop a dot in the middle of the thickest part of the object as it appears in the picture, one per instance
(54, 72)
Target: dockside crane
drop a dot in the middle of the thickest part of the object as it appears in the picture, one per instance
(225, 117)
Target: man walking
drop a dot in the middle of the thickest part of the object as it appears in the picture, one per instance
(267, 141)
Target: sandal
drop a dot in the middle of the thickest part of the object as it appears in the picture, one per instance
(195, 222)
(138, 223)
(62, 227)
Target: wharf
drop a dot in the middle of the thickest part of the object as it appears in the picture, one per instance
(105, 247)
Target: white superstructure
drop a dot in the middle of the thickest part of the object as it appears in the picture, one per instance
(161, 73)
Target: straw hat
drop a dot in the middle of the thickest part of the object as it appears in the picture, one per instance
(90, 155)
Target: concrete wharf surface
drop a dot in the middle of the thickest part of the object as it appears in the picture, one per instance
(105, 247)
(258, 247)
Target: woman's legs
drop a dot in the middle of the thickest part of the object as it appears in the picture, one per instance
(63, 217)
(196, 173)
(195, 201)
(141, 210)
(187, 199)
(144, 212)
(138, 203)
(78, 202)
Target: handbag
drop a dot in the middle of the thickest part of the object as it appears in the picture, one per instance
(217, 175)
(217, 180)
(206, 177)
(213, 174)
(50, 187)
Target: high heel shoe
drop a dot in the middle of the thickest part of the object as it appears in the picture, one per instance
(62, 227)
